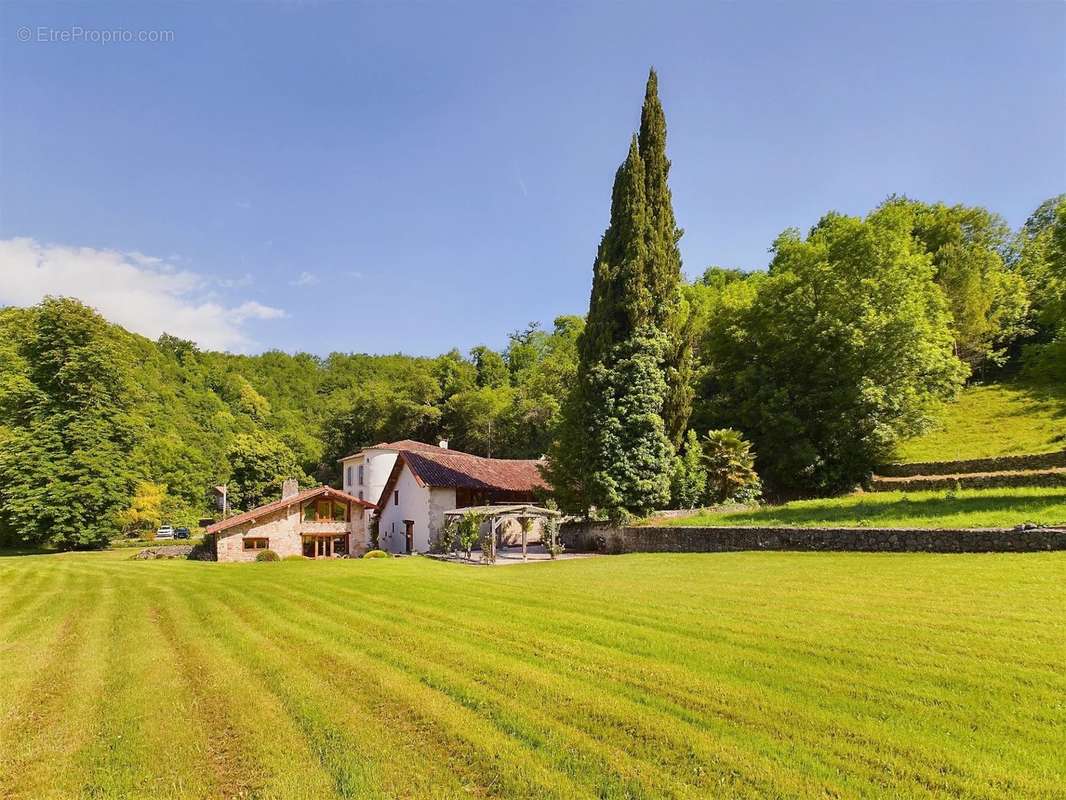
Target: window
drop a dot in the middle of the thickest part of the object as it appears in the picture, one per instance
(360, 494)
(396, 497)
(349, 480)
(309, 513)
(360, 474)
(256, 544)
(340, 512)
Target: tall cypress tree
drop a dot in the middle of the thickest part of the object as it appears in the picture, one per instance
(614, 448)
(664, 256)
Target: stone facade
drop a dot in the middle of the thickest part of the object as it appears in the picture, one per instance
(284, 531)
(605, 539)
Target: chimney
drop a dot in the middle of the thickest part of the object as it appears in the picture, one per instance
(289, 488)
(443, 444)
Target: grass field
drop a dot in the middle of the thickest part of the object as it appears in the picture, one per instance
(731, 675)
(968, 508)
(995, 420)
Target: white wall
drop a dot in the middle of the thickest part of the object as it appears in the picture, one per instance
(413, 505)
(377, 465)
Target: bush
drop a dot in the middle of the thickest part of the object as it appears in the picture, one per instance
(295, 558)
(267, 555)
(376, 554)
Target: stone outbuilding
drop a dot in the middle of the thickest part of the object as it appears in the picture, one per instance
(316, 523)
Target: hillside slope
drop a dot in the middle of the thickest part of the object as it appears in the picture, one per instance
(995, 419)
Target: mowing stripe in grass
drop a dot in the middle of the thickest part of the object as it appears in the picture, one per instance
(341, 753)
(458, 730)
(477, 692)
(49, 719)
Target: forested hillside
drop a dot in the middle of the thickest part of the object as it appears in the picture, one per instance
(101, 428)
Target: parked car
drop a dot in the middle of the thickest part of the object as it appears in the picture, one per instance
(165, 532)
(181, 533)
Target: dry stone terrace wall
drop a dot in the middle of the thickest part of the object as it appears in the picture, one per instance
(997, 480)
(673, 539)
(998, 464)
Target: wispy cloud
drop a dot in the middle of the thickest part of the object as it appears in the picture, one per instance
(143, 293)
(353, 273)
(304, 279)
(236, 283)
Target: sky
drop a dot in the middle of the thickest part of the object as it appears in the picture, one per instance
(412, 177)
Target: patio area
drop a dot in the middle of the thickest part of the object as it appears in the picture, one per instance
(506, 556)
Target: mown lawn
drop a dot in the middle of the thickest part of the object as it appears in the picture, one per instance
(730, 675)
(968, 508)
(998, 419)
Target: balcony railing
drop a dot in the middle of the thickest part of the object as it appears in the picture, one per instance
(325, 527)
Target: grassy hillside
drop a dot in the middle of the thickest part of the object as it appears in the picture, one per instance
(995, 420)
(734, 675)
(969, 508)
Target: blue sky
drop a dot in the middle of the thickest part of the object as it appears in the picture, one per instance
(385, 177)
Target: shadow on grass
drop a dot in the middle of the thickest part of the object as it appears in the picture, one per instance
(10, 552)
(896, 510)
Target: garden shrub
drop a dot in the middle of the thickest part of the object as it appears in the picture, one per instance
(376, 554)
(296, 558)
(267, 555)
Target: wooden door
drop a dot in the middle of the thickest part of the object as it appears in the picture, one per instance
(409, 530)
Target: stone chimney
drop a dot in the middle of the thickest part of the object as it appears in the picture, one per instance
(289, 488)
(443, 444)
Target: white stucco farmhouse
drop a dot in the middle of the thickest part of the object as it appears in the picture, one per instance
(424, 483)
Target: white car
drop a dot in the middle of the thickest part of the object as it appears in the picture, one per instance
(165, 532)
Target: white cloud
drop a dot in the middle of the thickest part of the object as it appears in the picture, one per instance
(305, 279)
(142, 293)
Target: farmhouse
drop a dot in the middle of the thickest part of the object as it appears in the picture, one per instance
(426, 482)
(317, 523)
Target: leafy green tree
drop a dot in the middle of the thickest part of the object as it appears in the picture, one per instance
(729, 467)
(842, 350)
(491, 368)
(474, 419)
(69, 431)
(454, 373)
(260, 463)
(688, 483)
(989, 303)
(1038, 255)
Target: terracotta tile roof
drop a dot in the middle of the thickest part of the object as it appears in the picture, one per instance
(451, 468)
(277, 505)
(402, 444)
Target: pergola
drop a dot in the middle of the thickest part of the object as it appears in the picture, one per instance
(497, 515)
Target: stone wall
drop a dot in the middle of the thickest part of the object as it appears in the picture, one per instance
(602, 538)
(1000, 464)
(1000, 480)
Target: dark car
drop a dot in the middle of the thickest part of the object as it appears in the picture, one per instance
(181, 533)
